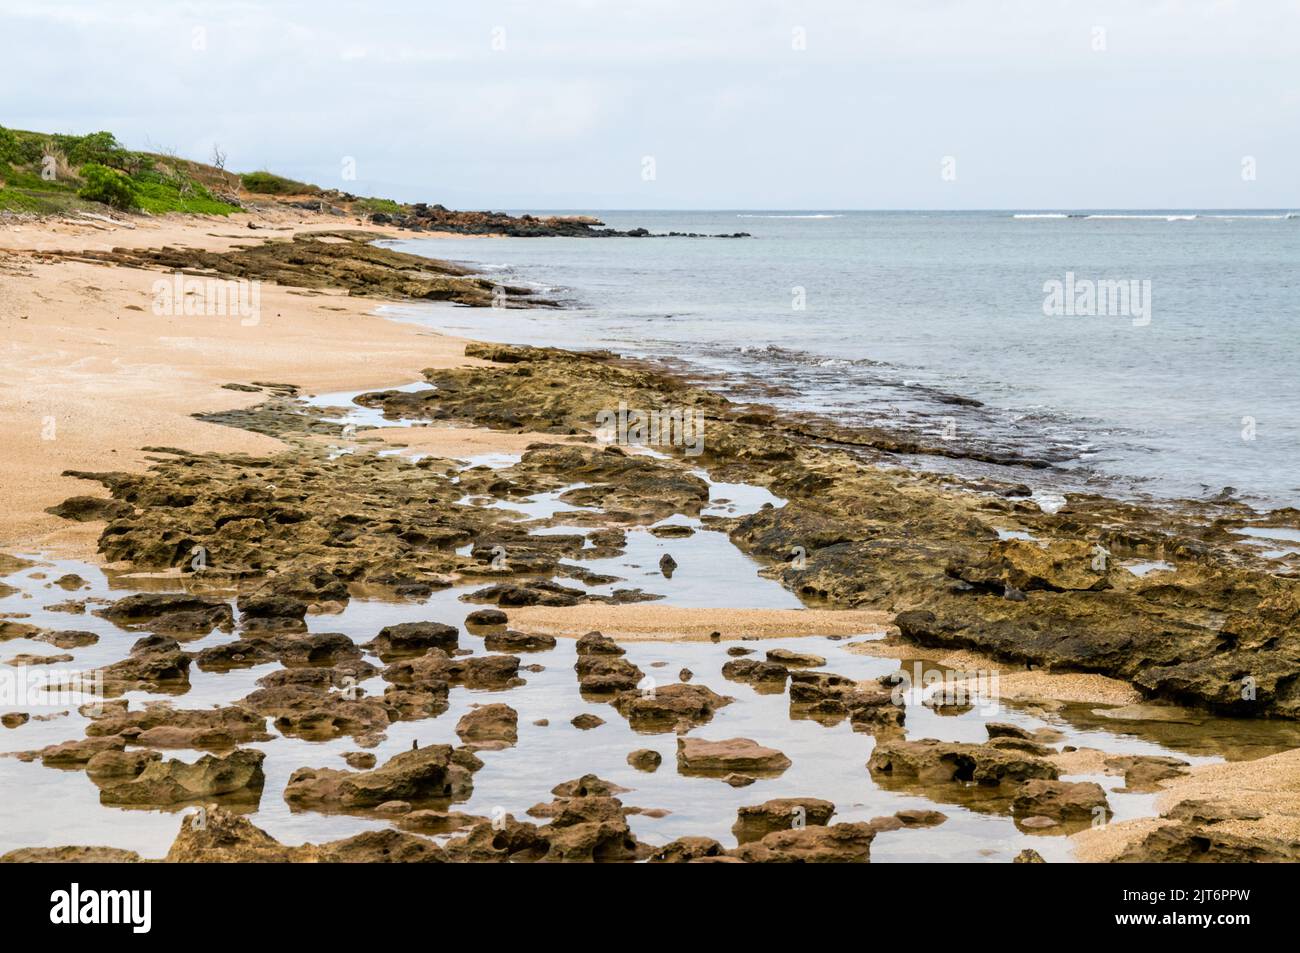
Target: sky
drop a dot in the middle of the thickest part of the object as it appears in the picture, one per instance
(731, 104)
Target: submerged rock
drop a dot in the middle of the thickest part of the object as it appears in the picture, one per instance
(645, 759)
(1145, 772)
(829, 698)
(70, 855)
(312, 711)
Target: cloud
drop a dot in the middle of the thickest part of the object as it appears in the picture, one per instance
(558, 102)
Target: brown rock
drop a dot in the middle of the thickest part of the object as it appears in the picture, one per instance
(645, 759)
(495, 722)
(928, 761)
(162, 783)
(586, 721)
(1061, 800)
(664, 708)
(756, 821)
(733, 755)
(686, 849)
(836, 844)
(413, 638)
(419, 777)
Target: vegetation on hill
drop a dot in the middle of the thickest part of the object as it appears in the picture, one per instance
(53, 173)
(268, 183)
(56, 174)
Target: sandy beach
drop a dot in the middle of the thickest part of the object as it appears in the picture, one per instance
(94, 374)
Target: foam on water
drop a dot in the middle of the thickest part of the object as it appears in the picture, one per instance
(836, 315)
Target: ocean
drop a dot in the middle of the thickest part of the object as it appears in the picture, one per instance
(1142, 354)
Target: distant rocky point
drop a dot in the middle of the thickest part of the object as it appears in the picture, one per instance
(422, 217)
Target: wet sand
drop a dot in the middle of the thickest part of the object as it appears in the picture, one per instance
(644, 623)
(1019, 685)
(1262, 795)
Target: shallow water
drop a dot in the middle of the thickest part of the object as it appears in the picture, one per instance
(882, 316)
(47, 807)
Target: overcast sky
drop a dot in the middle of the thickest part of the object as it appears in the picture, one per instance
(744, 104)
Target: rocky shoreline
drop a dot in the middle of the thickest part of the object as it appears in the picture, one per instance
(959, 564)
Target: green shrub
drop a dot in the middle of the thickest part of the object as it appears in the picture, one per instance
(10, 149)
(108, 186)
(373, 205)
(101, 148)
(268, 183)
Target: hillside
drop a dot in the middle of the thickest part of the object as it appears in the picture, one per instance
(53, 174)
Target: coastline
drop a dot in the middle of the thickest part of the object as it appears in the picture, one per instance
(113, 392)
(84, 349)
